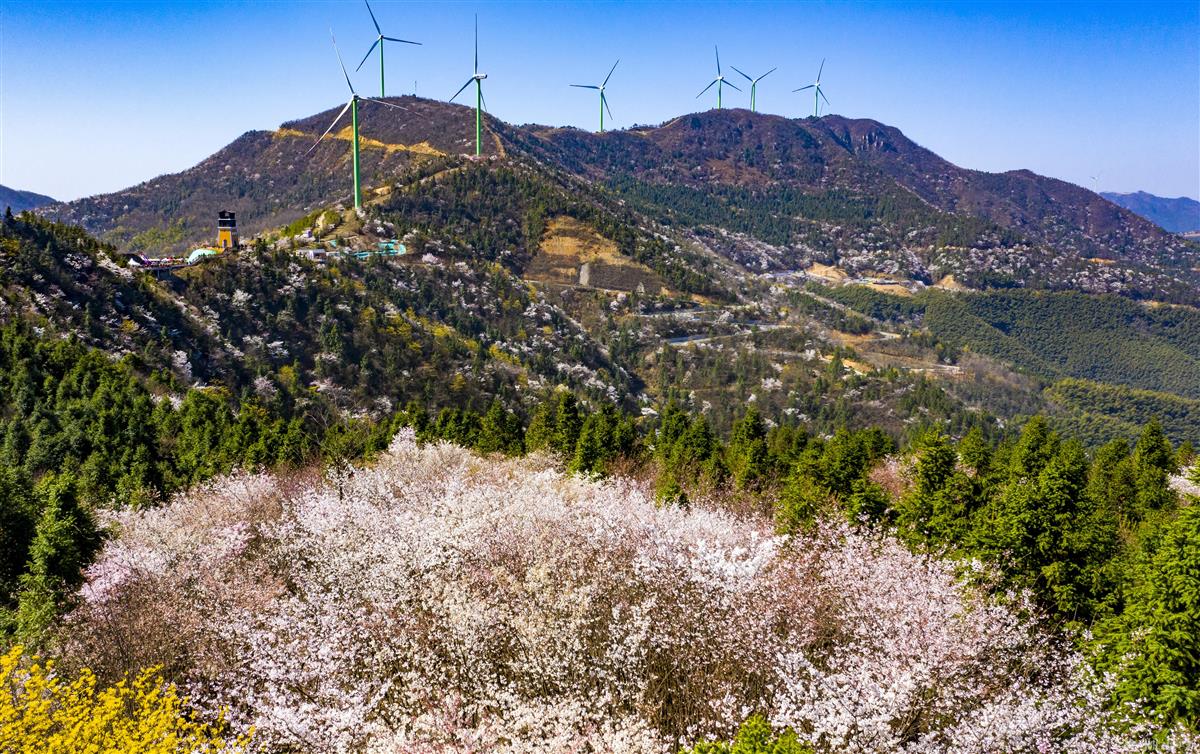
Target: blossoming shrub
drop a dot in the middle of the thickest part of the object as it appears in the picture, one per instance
(437, 601)
(40, 712)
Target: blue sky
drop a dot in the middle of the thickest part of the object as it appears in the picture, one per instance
(97, 96)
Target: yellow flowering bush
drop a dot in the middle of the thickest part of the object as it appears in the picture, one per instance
(41, 712)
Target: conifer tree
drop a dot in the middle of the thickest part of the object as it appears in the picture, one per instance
(1153, 463)
(749, 460)
(64, 542)
(1158, 648)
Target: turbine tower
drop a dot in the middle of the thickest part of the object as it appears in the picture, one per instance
(478, 78)
(603, 99)
(818, 95)
(719, 81)
(379, 43)
(352, 106)
(753, 83)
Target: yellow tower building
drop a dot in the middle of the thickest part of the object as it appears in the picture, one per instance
(227, 235)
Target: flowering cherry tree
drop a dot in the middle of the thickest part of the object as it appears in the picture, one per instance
(437, 601)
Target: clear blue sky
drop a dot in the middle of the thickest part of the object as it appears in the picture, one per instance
(97, 96)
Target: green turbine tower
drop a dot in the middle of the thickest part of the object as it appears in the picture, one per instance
(719, 81)
(379, 43)
(818, 95)
(753, 83)
(352, 106)
(603, 99)
(480, 104)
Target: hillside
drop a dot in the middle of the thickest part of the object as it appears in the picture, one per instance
(1179, 215)
(269, 180)
(766, 192)
(859, 194)
(644, 265)
(19, 201)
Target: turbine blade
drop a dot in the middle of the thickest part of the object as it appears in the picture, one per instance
(718, 52)
(460, 91)
(768, 73)
(734, 67)
(483, 100)
(821, 69)
(327, 130)
(476, 43)
(604, 101)
(705, 89)
(377, 29)
(405, 41)
(823, 96)
(585, 86)
(364, 60)
(389, 104)
(730, 83)
(610, 72)
(810, 86)
(340, 63)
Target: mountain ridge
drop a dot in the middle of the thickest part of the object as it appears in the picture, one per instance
(18, 200)
(779, 193)
(1175, 215)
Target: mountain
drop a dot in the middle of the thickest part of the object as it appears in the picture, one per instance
(1181, 215)
(19, 201)
(861, 195)
(719, 259)
(762, 191)
(269, 179)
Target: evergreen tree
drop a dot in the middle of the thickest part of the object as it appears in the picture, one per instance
(1157, 646)
(64, 542)
(749, 460)
(1112, 482)
(539, 435)
(1034, 450)
(18, 519)
(567, 423)
(672, 423)
(938, 506)
(499, 431)
(975, 452)
(1153, 463)
(590, 450)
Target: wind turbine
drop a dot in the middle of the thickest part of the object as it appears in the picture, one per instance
(379, 43)
(603, 99)
(719, 81)
(352, 106)
(753, 83)
(818, 95)
(478, 78)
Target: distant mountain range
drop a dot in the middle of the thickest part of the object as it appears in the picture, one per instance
(20, 201)
(769, 193)
(1180, 215)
